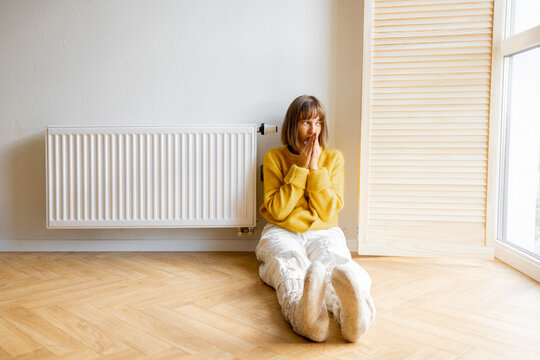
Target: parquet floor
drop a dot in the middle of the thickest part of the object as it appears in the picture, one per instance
(213, 306)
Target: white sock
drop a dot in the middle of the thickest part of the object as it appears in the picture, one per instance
(308, 315)
(357, 309)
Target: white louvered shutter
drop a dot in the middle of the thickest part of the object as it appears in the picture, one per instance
(425, 128)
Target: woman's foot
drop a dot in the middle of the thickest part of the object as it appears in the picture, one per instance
(310, 318)
(357, 309)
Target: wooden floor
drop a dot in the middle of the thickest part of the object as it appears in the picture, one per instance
(213, 306)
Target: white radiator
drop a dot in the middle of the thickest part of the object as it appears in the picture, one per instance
(125, 177)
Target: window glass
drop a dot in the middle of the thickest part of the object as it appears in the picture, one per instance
(522, 220)
(524, 14)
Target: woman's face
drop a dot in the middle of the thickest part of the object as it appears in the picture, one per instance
(306, 129)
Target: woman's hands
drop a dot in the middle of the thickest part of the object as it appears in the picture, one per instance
(310, 153)
(315, 153)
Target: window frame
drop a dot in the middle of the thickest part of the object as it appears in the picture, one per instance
(503, 48)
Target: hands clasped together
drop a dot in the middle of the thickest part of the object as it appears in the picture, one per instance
(310, 153)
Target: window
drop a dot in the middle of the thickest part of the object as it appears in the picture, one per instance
(522, 15)
(519, 205)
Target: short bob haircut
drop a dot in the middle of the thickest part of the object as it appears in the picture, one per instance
(304, 107)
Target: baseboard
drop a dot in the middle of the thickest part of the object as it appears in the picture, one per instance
(412, 249)
(519, 260)
(134, 245)
(126, 245)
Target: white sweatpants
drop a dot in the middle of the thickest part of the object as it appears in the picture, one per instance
(286, 255)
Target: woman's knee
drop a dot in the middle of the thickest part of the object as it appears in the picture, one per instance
(278, 243)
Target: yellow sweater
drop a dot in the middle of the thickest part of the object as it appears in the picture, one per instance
(298, 199)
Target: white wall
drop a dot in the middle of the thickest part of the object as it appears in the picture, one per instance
(76, 63)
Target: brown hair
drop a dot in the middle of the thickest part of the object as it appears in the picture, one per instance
(304, 107)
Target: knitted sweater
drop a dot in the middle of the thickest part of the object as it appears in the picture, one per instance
(298, 199)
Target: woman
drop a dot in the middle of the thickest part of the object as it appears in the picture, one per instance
(303, 252)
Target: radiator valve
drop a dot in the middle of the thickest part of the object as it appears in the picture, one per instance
(245, 231)
(267, 129)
